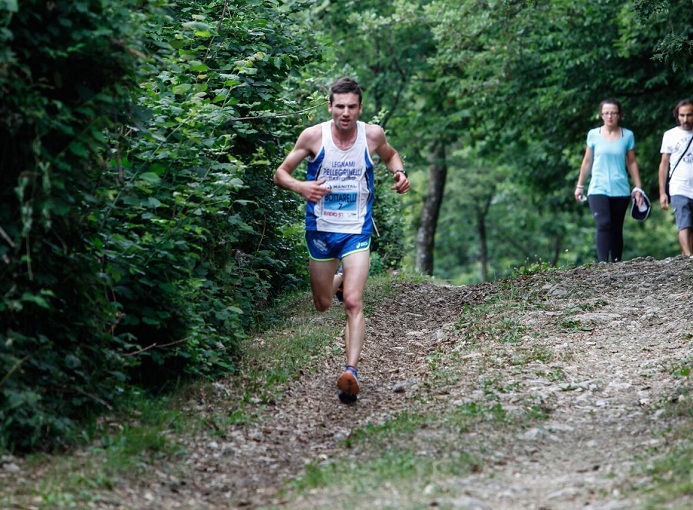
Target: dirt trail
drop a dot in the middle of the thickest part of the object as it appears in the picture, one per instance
(596, 348)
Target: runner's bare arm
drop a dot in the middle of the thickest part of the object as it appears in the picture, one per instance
(377, 143)
(307, 145)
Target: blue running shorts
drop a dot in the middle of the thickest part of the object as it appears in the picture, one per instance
(324, 246)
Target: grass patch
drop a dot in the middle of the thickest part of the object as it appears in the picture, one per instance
(531, 355)
(672, 476)
(670, 472)
(402, 477)
(409, 460)
(491, 321)
(397, 460)
(382, 287)
(404, 424)
(668, 468)
(125, 444)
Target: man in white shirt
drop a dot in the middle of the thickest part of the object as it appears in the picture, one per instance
(677, 166)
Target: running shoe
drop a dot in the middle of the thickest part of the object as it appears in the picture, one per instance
(348, 385)
(346, 398)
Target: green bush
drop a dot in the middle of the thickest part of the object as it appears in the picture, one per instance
(388, 239)
(58, 91)
(141, 233)
(194, 207)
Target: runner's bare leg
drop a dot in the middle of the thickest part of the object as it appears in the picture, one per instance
(322, 282)
(356, 267)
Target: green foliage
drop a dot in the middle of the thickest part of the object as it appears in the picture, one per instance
(516, 86)
(387, 242)
(675, 46)
(533, 268)
(61, 71)
(141, 233)
(192, 205)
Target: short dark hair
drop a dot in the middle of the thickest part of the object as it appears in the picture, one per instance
(345, 86)
(681, 103)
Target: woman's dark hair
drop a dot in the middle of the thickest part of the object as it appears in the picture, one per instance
(681, 103)
(345, 86)
(614, 102)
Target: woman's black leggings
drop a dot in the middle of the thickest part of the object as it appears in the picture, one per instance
(609, 214)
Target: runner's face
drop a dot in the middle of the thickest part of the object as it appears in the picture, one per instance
(345, 110)
(686, 117)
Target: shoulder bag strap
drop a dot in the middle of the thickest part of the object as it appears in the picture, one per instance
(679, 161)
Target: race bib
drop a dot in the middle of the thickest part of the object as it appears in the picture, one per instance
(340, 204)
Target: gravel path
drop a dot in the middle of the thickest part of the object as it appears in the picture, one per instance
(596, 348)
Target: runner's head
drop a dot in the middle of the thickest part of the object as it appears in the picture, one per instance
(346, 86)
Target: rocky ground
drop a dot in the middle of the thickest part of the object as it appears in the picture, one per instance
(596, 348)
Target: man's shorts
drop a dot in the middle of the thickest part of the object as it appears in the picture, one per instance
(683, 211)
(329, 245)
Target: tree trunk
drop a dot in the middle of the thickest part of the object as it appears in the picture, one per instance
(425, 237)
(483, 246)
(557, 249)
(481, 214)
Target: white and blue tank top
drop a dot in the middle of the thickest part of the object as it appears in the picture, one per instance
(349, 173)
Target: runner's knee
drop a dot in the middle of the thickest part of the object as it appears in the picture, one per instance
(322, 303)
(352, 304)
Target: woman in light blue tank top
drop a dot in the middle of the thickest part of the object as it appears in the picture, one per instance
(610, 157)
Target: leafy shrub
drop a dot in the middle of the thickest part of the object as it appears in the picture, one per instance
(141, 232)
(194, 207)
(58, 91)
(388, 239)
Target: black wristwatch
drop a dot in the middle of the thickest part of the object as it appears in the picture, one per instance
(401, 170)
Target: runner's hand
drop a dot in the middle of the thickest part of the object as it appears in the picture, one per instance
(313, 191)
(401, 183)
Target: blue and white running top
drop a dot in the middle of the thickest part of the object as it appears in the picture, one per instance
(349, 173)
